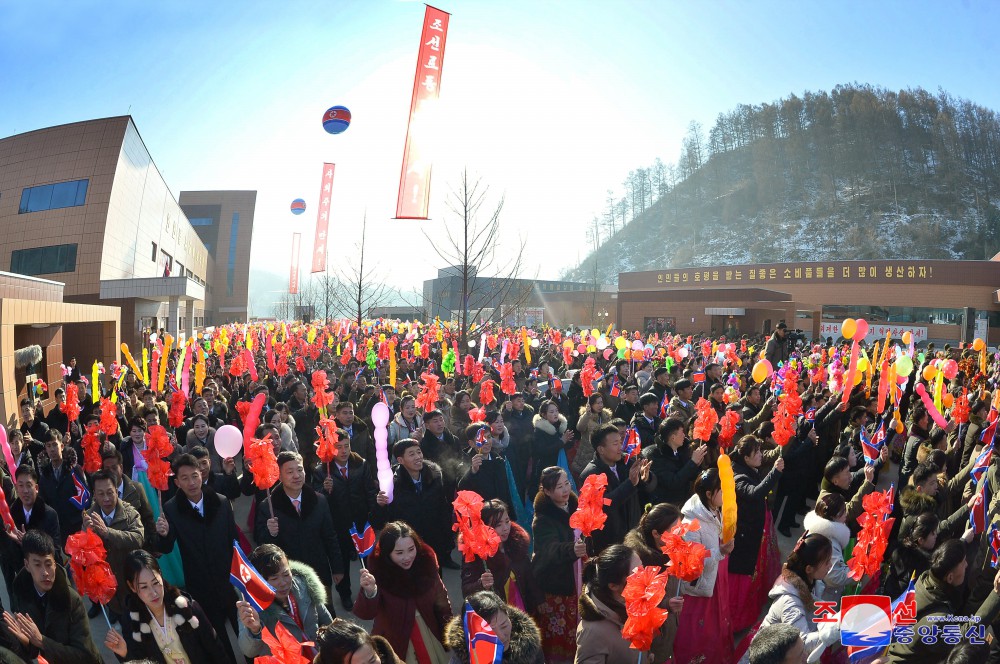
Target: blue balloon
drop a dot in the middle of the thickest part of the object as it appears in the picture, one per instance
(298, 206)
(336, 119)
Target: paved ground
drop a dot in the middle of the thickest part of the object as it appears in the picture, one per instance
(451, 577)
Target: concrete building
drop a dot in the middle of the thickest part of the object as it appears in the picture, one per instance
(84, 204)
(32, 313)
(935, 300)
(517, 302)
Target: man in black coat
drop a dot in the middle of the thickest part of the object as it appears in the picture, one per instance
(419, 499)
(349, 487)
(517, 416)
(487, 472)
(301, 523)
(29, 512)
(646, 421)
(438, 444)
(201, 523)
(776, 350)
(33, 428)
(46, 615)
(623, 481)
(361, 437)
(58, 488)
(628, 407)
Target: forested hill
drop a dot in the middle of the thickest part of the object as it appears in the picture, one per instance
(857, 173)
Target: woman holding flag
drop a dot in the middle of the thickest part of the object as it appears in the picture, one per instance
(404, 595)
(513, 637)
(299, 602)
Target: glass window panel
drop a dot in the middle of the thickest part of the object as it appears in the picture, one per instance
(81, 191)
(40, 198)
(63, 195)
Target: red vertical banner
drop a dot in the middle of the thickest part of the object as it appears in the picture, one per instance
(415, 179)
(293, 277)
(322, 220)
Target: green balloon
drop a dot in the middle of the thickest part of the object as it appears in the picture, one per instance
(621, 353)
(904, 365)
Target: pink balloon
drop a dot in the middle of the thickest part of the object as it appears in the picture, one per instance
(228, 441)
(862, 330)
(581, 349)
(607, 353)
(950, 369)
(931, 408)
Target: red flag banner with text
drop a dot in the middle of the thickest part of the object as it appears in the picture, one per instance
(322, 220)
(293, 278)
(415, 180)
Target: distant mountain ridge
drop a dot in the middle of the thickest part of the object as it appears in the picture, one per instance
(858, 173)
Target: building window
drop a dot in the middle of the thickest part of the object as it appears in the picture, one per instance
(231, 267)
(53, 196)
(154, 252)
(44, 260)
(202, 221)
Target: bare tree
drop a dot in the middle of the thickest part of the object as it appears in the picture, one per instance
(358, 287)
(473, 245)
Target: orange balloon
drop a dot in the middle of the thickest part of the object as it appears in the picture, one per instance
(848, 328)
(907, 337)
(978, 345)
(948, 400)
(929, 372)
(899, 427)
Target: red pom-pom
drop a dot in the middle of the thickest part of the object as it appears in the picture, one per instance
(486, 393)
(91, 444)
(320, 383)
(109, 421)
(687, 559)
(589, 515)
(727, 428)
(72, 406)
(326, 440)
(705, 421)
(507, 383)
(176, 415)
(428, 397)
(259, 456)
(587, 377)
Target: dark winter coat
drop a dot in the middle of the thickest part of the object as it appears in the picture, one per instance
(351, 499)
(776, 350)
(514, 557)
(43, 518)
(400, 594)
(545, 445)
(440, 451)
(751, 505)
(206, 546)
(904, 561)
(361, 439)
(491, 480)
(525, 645)
(674, 471)
(429, 512)
(63, 622)
(196, 634)
(57, 494)
(307, 535)
(623, 512)
(935, 601)
(553, 556)
(645, 428)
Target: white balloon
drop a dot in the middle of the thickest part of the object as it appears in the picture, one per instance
(380, 418)
(472, 343)
(534, 343)
(602, 343)
(152, 338)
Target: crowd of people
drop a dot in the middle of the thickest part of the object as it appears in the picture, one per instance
(523, 422)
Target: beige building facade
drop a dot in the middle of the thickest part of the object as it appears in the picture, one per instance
(84, 204)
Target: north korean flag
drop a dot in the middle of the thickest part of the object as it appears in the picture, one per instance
(990, 430)
(631, 445)
(365, 542)
(483, 644)
(982, 463)
(994, 545)
(254, 587)
(977, 517)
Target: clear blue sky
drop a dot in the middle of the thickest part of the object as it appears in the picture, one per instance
(551, 103)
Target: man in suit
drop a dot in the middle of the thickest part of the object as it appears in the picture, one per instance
(200, 523)
(29, 512)
(301, 523)
(59, 488)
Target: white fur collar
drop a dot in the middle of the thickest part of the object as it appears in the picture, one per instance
(835, 531)
(180, 603)
(543, 424)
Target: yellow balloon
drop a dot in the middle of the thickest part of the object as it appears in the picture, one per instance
(862, 365)
(591, 348)
(620, 343)
(857, 377)
(728, 483)
(568, 343)
(759, 372)
(848, 328)
(595, 333)
(907, 337)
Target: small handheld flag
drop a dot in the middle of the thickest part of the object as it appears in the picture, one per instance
(365, 542)
(977, 516)
(631, 446)
(994, 540)
(254, 587)
(82, 498)
(664, 403)
(483, 644)
(982, 463)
